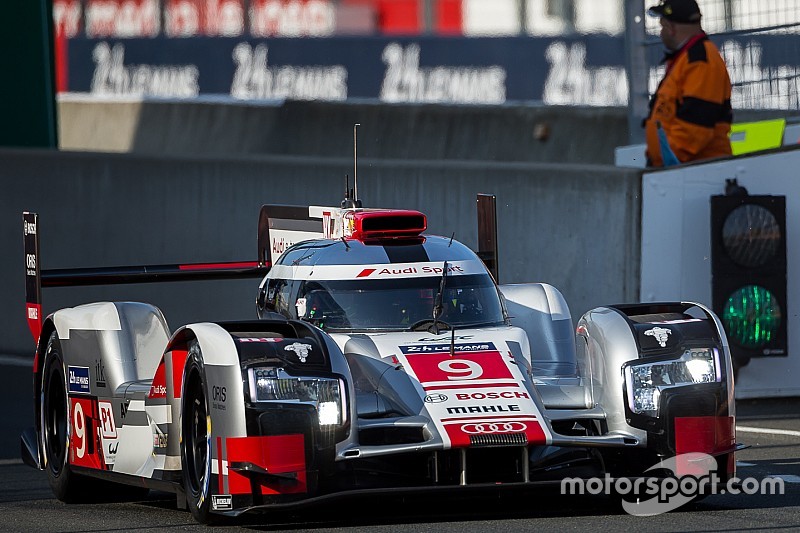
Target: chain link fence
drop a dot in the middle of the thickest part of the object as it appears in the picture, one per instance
(760, 41)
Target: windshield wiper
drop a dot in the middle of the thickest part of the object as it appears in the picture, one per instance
(437, 303)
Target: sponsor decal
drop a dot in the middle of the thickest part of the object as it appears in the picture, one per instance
(492, 395)
(221, 502)
(302, 350)
(78, 379)
(128, 18)
(462, 347)
(254, 79)
(260, 339)
(660, 334)
(107, 424)
(67, 15)
(465, 409)
(482, 428)
(218, 396)
(33, 312)
(269, 18)
(30, 264)
(123, 409)
(570, 81)
(406, 81)
(327, 227)
(111, 452)
(435, 398)
(112, 77)
(29, 228)
(404, 272)
(158, 391)
(190, 18)
(445, 338)
(160, 440)
(99, 373)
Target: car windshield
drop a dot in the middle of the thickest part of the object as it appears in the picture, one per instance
(399, 304)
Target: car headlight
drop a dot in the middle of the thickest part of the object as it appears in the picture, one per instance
(276, 385)
(646, 381)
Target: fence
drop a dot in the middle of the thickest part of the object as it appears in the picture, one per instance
(757, 38)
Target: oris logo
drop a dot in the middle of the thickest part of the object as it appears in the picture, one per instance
(435, 398)
(495, 427)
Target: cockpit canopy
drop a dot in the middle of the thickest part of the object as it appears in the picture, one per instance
(380, 294)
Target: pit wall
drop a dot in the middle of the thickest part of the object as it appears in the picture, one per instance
(541, 134)
(574, 226)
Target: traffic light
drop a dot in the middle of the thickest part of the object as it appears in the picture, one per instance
(748, 269)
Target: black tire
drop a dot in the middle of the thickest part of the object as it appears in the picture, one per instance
(54, 421)
(68, 486)
(195, 440)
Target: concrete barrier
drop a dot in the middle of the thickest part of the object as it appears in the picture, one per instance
(389, 131)
(575, 226)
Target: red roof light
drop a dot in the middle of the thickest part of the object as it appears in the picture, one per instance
(383, 224)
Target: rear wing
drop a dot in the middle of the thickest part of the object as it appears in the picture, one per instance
(36, 278)
(279, 227)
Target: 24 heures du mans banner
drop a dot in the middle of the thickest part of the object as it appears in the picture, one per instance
(587, 70)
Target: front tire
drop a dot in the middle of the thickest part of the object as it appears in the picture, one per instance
(196, 438)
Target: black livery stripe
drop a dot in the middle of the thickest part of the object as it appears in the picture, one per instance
(704, 113)
(406, 253)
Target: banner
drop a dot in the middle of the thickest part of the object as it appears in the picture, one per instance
(587, 70)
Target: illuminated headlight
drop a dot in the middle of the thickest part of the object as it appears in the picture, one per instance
(275, 385)
(646, 381)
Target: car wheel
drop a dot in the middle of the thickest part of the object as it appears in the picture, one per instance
(196, 439)
(55, 416)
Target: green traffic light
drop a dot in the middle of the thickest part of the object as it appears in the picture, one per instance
(752, 316)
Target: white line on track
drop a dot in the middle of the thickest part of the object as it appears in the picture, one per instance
(15, 360)
(768, 431)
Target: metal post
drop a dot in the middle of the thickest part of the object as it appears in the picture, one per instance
(637, 69)
(728, 15)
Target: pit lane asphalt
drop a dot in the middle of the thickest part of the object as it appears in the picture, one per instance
(26, 503)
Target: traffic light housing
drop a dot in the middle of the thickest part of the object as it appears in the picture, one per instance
(748, 268)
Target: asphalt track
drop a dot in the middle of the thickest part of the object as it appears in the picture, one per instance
(772, 428)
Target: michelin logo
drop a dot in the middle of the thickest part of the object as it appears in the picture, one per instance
(78, 379)
(221, 502)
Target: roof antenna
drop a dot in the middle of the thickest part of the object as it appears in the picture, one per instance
(355, 163)
(347, 203)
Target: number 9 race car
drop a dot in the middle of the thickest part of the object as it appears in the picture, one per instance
(382, 358)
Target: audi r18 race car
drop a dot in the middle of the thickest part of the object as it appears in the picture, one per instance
(382, 358)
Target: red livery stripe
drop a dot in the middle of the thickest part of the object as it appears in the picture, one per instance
(472, 385)
(218, 266)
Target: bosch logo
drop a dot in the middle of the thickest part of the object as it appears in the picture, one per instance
(495, 427)
(435, 398)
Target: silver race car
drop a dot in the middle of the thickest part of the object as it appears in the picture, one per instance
(382, 358)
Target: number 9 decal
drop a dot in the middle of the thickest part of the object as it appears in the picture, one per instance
(463, 369)
(79, 423)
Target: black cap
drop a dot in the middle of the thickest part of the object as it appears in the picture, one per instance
(683, 11)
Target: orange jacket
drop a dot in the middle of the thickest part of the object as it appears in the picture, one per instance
(693, 105)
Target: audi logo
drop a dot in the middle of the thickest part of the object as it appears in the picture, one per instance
(495, 427)
(435, 398)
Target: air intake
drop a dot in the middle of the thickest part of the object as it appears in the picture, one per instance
(498, 439)
(384, 224)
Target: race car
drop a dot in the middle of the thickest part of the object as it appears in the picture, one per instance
(381, 358)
